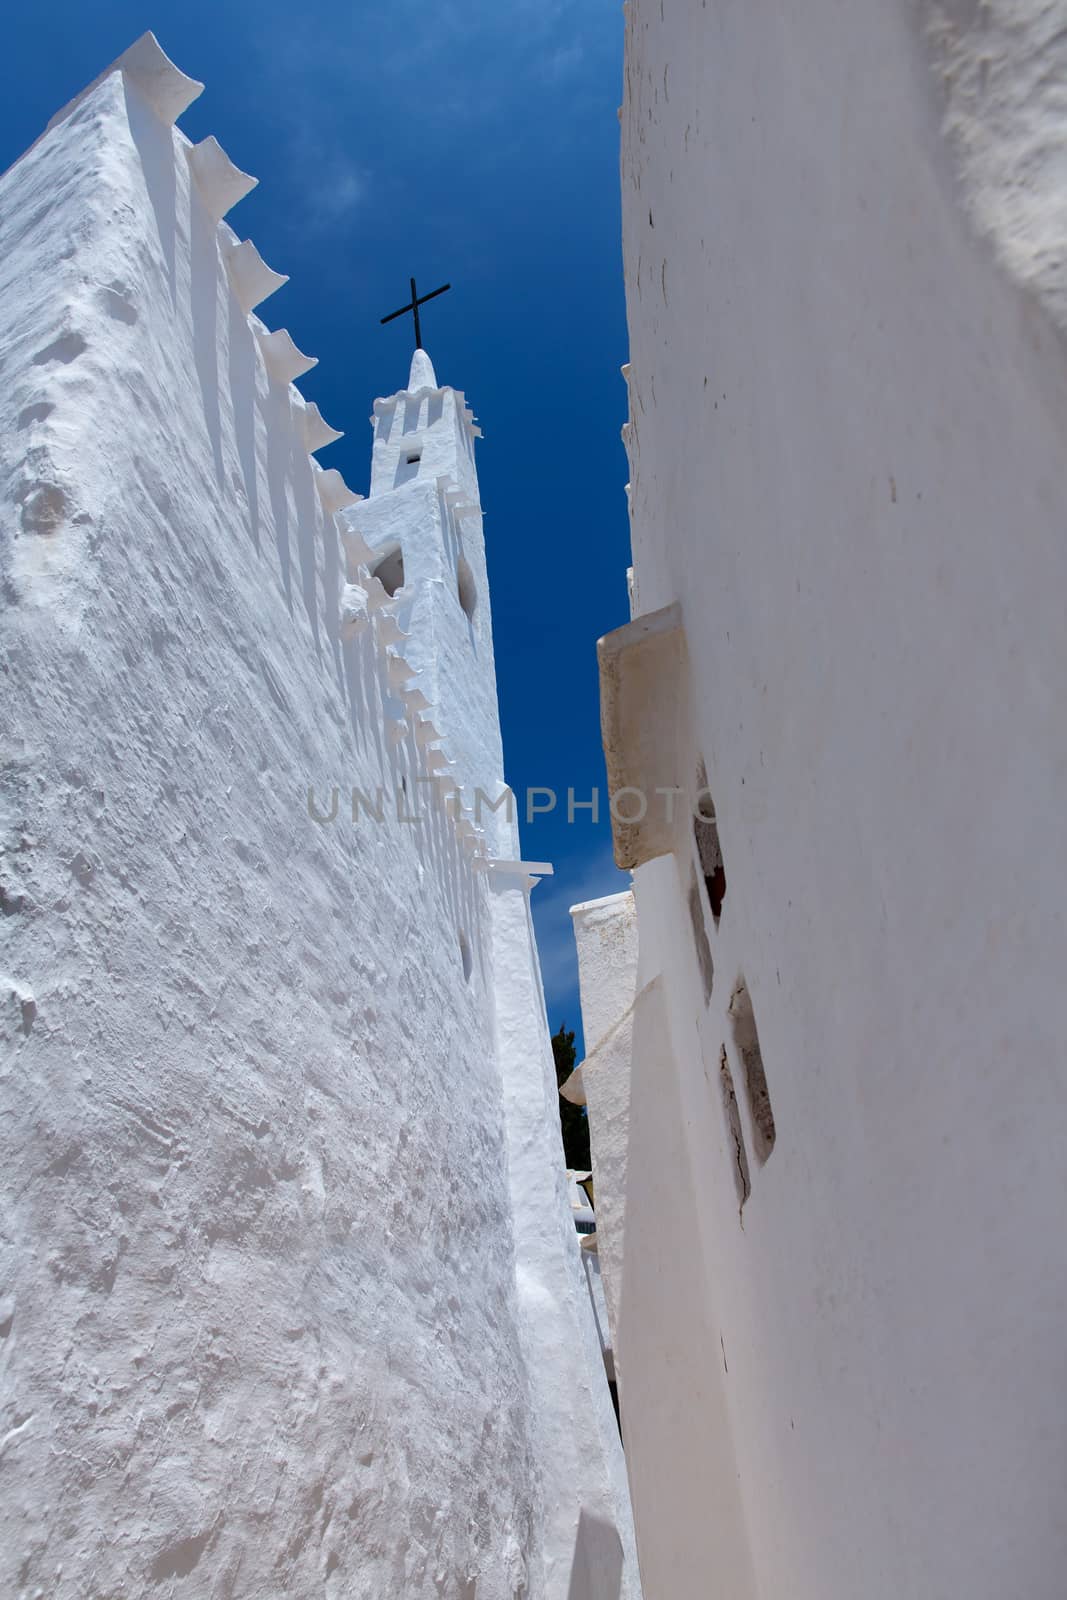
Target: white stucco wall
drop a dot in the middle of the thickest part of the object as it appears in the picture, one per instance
(847, 444)
(589, 1541)
(605, 933)
(259, 1324)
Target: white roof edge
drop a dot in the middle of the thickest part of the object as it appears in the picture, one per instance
(169, 89)
(602, 904)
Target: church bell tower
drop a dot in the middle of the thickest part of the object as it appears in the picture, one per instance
(419, 532)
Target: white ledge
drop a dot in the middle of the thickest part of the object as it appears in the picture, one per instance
(358, 551)
(573, 1089)
(317, 431)
(355, 615)
(334, 491)
(220, 182)
(398, 672)
(415, 700)
(168, 90)
(531, 869)
(385, 402)
(283, 360)
(390, 631)
(148, 67)
(377, 594)
(643, 681)
(251, 279)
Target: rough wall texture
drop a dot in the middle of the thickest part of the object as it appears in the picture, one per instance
(1003, 65)
(847, 445)
(259, 1331)
(605, 932)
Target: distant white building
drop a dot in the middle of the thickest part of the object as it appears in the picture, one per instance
(291, 1297)
(825, 1037)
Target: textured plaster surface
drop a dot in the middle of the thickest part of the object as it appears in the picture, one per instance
(847, 444)
(1003, 69)
(605, 932)
(259, 1325)
(589, 1538)
(690, 1515)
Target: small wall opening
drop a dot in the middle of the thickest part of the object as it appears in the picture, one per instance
(407, 465)
(700, 938)
(468, 594)
(709, 851)
(734, 1130)
(746, 1042)
(389, 570)
(465, 956)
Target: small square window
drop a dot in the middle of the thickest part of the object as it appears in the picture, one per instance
(413, 458)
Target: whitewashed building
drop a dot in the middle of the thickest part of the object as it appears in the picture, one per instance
(825, 1036)
(291, 1298)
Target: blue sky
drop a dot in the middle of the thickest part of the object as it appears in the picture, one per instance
(474, 141)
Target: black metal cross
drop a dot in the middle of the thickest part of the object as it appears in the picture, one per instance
(416, 301)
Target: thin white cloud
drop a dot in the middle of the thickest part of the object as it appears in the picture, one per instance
(464, 63)
(334, 195)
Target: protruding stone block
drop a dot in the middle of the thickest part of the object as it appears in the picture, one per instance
(355, 612)
(398, 672)
(642, 682)
(358, 551)
(334, 491)
(168, 90)
(521, 869)
(284, 361)
(377, 594)
(317, 431)
(251, 279)
(148, 67)
(220, 182)
(573, 1089)
(390, 631)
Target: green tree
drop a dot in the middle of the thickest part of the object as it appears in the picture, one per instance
(574, 1124)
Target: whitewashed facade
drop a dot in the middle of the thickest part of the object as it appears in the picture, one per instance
(834, 1067)
(291, 1300)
